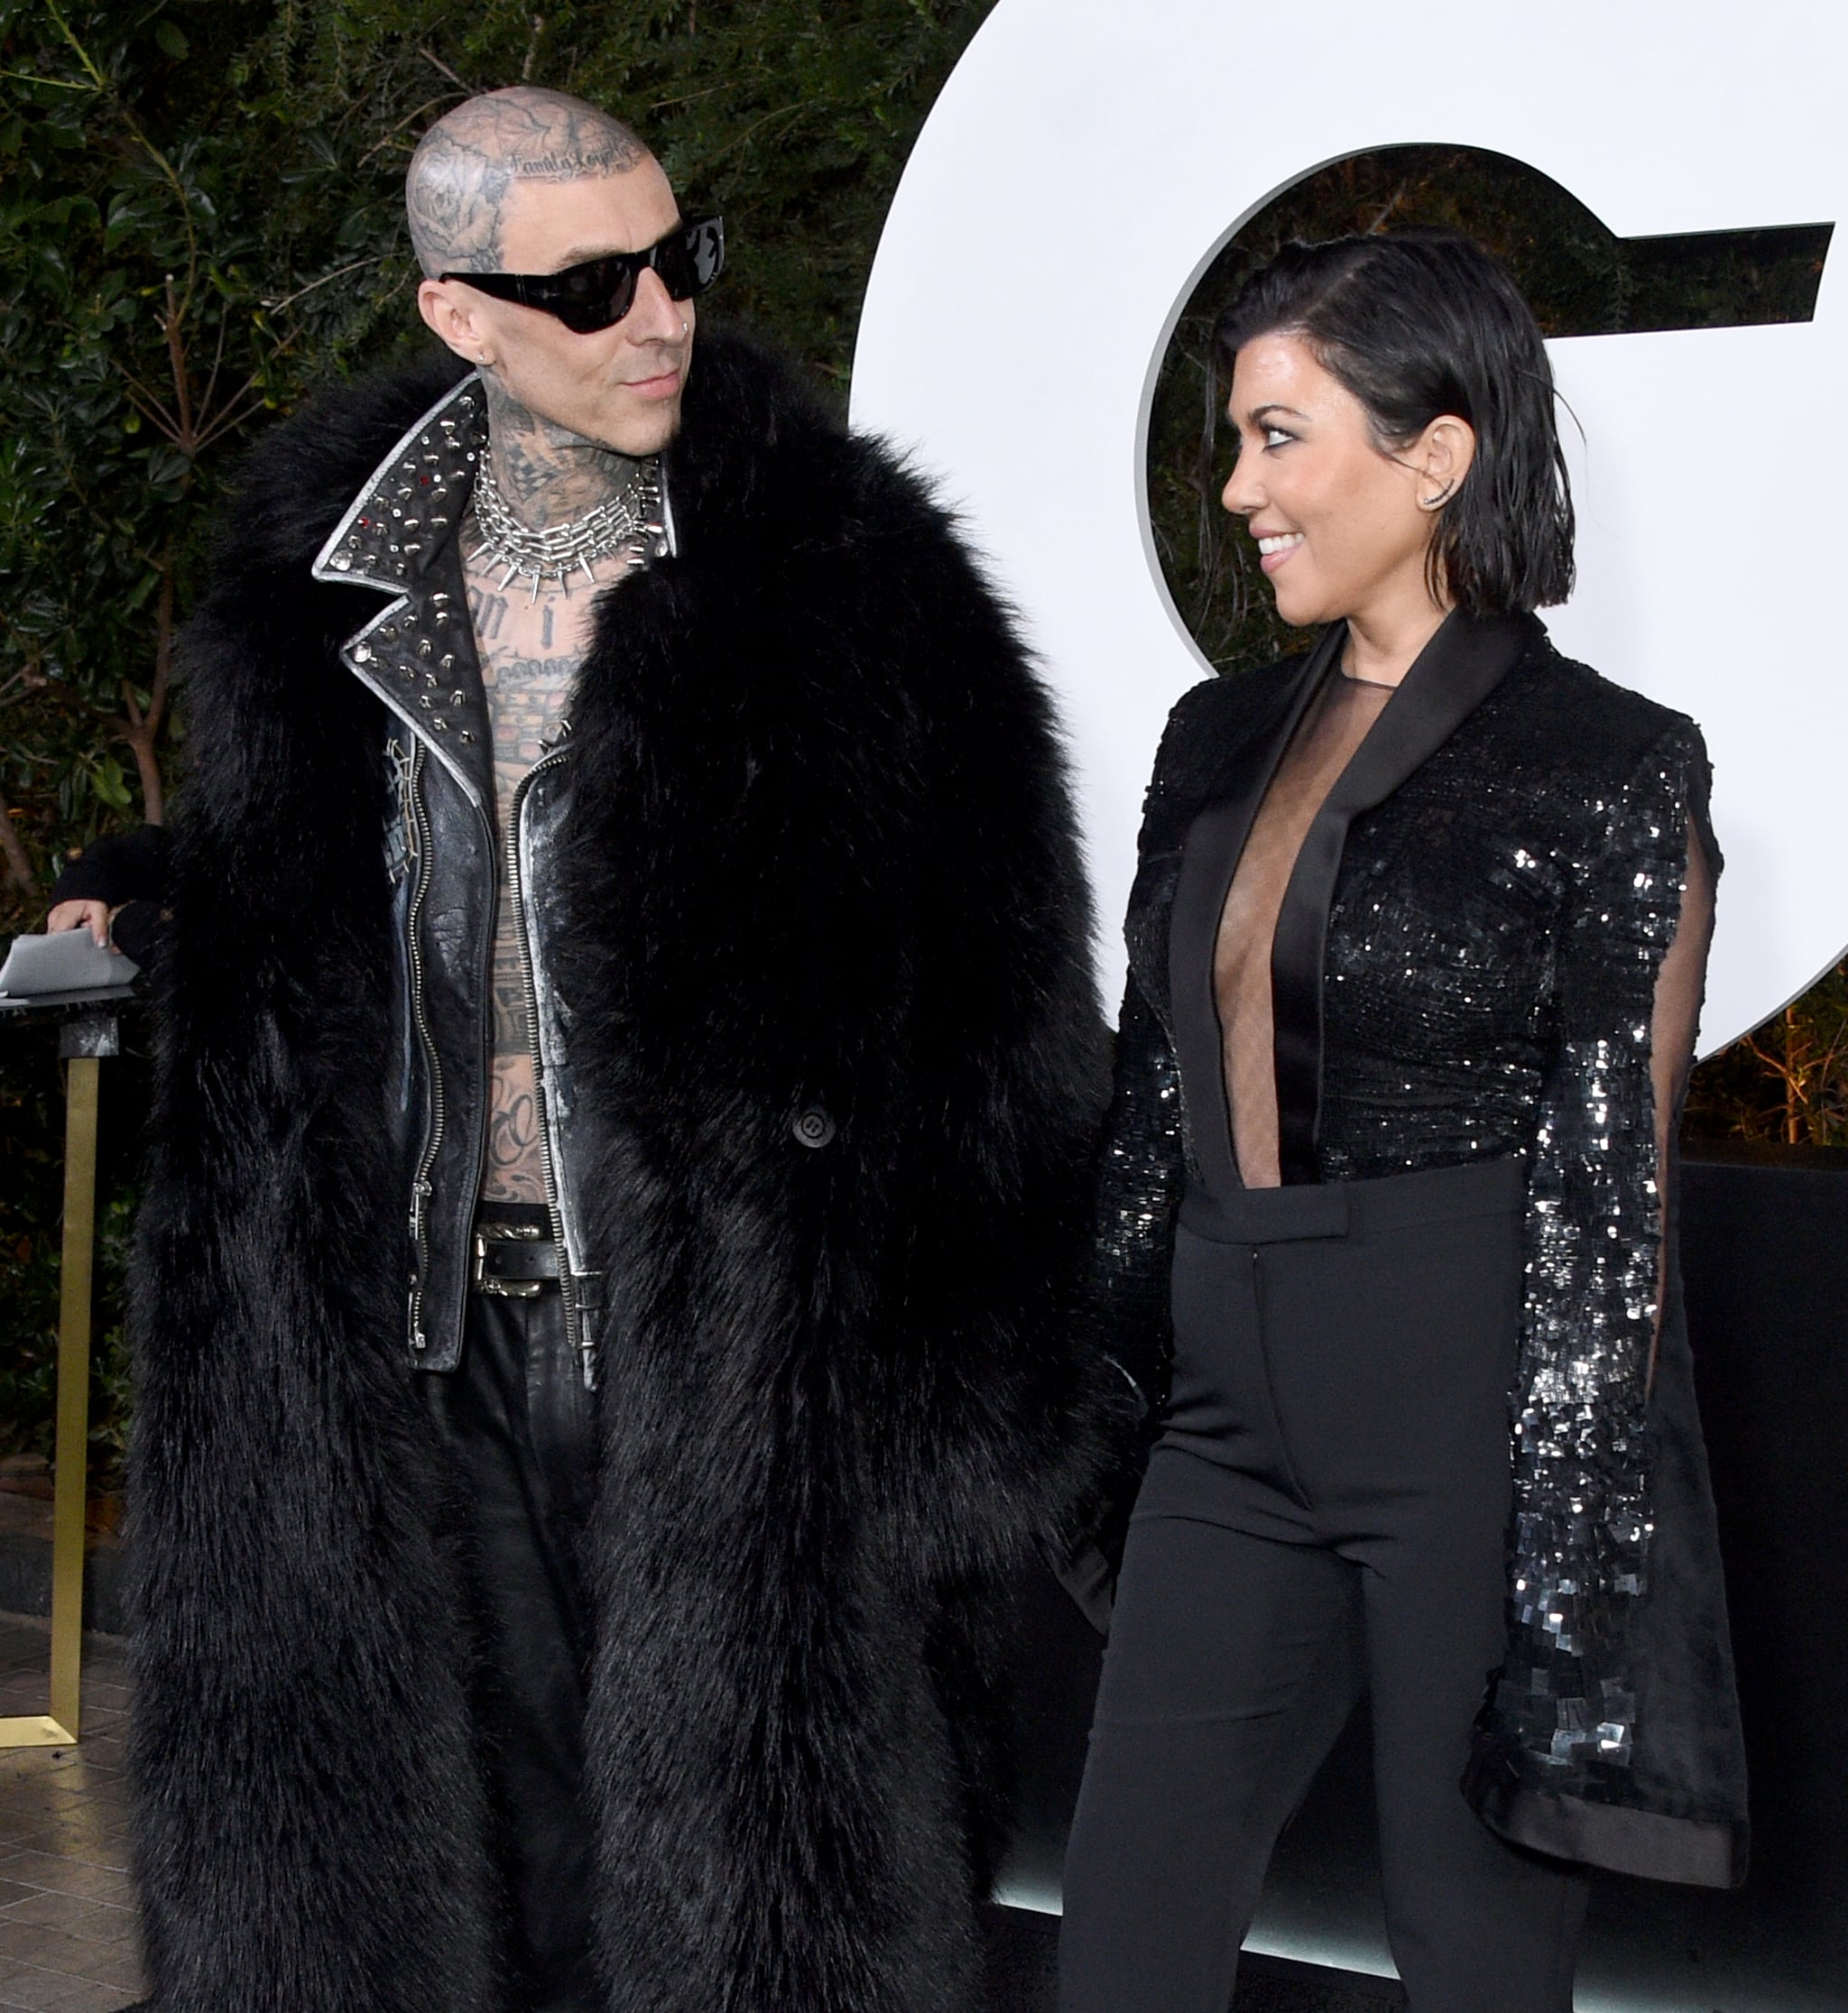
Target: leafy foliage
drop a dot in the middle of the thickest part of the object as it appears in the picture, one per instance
(1786, 1084)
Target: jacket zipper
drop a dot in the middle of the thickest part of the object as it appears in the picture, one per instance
(574, 1325)
(420, 1189)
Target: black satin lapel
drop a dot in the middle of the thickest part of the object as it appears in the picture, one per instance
(1213, 844)
(1454, 672)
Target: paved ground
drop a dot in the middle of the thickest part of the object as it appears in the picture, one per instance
(67, 1923)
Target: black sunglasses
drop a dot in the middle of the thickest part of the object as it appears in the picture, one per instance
(598, 293)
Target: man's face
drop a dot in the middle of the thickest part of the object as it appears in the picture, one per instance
(620, 386)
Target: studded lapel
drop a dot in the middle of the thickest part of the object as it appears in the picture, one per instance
(418, 653)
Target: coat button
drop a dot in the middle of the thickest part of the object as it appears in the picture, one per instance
(814, 1128)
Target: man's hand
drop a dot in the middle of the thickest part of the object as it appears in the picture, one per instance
(92, 916)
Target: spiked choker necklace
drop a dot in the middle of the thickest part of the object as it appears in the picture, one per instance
(630, 521)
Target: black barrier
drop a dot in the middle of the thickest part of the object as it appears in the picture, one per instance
(1765, 1256)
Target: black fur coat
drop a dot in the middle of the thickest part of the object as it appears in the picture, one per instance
(824, 848)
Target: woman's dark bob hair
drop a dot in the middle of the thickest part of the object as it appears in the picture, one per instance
(1417, 324)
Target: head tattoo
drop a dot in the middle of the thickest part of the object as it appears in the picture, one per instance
(456, 192)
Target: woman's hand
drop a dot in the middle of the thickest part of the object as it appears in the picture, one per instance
(92, 916)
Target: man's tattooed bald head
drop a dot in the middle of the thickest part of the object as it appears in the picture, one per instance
(455, 191)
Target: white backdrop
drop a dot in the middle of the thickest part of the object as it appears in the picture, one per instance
(1088, 158)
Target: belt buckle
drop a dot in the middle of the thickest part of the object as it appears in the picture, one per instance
(503, 1233)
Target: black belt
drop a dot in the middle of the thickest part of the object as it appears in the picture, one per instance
(514, 1261)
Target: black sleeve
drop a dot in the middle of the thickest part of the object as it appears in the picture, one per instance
(1583, 1517)
(1137, 1188)
(117, 868)
(1140, 1169)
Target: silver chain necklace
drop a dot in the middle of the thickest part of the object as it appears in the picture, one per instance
(629, 522)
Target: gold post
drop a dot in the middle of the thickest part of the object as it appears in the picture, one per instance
(73, 1387)
(82, 1043)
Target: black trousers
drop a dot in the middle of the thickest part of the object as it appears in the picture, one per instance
(1327, 1508)
(520, 1435)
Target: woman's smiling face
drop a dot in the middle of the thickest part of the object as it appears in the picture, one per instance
(1343, 526)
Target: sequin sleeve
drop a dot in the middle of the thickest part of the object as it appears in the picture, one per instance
(1564, 1708)
(1140, 1172)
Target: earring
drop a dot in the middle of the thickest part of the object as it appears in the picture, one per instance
(685, 325)
(1434, 502)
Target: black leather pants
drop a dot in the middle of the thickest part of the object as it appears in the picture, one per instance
(519, 1428)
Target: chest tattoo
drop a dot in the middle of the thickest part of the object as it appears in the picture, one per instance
(530, 651)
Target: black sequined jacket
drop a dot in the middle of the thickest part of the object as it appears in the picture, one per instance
(1465, 967)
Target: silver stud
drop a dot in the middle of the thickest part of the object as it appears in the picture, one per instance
(467, 735)
(361, 653)
(459, 699)
(440, 724)
(342, 564)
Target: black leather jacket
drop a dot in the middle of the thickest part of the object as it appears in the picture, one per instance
(418, 655)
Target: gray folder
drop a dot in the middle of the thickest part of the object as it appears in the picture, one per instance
(68, 961)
